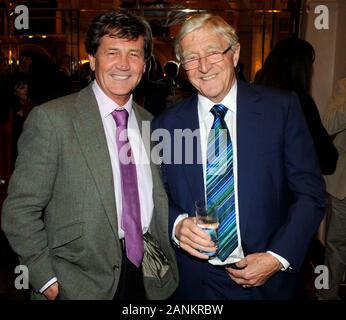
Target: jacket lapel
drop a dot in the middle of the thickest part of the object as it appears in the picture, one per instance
(90, 132)
(159, 221)
(187, 119)
(248, 133)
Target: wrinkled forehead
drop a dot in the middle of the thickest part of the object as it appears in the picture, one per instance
(202, 38)
(206, 28)
(206, 31)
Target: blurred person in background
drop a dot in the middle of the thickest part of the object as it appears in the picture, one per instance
(334, 120)
(289, 66)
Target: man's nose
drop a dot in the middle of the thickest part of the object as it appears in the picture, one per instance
(123, 62)
(203, 64)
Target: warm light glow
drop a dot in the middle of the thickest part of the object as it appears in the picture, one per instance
(30, 37)
(269, 11)
(188, 10)
(258, 65)
(44, 36)
(11, 60)
(84, 61)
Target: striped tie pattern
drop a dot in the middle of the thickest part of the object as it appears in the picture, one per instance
(220, 182)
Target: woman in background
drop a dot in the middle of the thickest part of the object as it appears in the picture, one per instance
(289, 66)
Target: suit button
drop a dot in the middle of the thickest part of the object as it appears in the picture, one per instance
(115, 267)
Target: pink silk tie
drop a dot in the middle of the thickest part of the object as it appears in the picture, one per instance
(131, 214)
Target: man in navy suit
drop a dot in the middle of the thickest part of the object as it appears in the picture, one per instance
(277, 189)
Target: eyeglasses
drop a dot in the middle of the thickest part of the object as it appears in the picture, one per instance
(193, 63)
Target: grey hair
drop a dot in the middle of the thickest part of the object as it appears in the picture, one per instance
(205, 20)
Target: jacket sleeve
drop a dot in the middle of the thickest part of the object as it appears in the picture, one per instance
(29, 192)
(304, 180)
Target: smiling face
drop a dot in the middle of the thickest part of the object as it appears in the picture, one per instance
(119, 65)
(212, 80)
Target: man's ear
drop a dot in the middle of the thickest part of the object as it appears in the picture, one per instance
(144, 67)
(236, 54)
(92, 62)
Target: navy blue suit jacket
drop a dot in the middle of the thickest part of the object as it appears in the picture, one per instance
(280, 189)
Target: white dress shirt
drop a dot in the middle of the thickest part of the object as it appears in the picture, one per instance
(206, 120)
(144, 177)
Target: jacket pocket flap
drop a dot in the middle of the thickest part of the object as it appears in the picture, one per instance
(67, 234)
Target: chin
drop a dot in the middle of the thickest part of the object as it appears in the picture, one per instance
(211, 95)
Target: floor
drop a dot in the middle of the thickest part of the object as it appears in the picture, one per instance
(8, 262)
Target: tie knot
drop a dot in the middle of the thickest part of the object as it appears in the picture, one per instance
(219, 111)
(120, 117)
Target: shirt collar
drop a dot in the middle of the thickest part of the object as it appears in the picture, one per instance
(230, 101)
(106, 104)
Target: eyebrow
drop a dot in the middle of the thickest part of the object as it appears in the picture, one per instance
(118, 49)
(137, 50)
(209, 47)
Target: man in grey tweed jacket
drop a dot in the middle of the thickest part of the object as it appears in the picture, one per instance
(62, 212)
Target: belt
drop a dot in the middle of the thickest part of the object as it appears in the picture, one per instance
(122, 244)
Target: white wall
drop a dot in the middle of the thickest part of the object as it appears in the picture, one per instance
(330, 47)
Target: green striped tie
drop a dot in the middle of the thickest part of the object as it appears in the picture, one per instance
(220, 182)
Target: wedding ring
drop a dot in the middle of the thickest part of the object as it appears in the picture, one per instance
(246, 286)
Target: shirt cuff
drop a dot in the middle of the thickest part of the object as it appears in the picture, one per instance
(48, 284)
(283, 261)
(179, 218)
